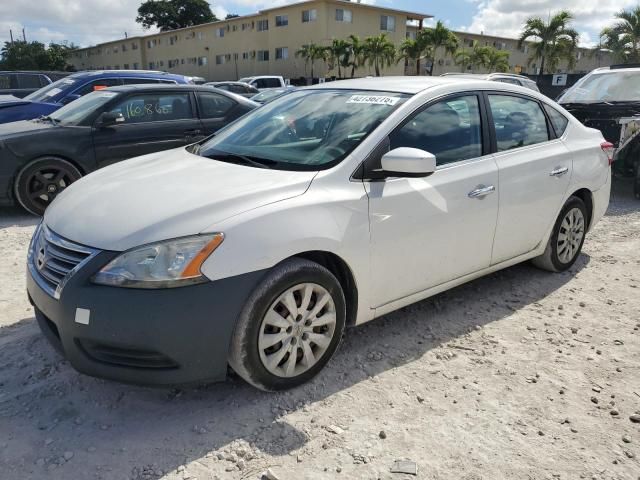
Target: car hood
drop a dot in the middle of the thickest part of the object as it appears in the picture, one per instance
(24, 127)
(10, 101)
(164, 195)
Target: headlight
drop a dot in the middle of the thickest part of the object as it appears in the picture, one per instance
(168, 264)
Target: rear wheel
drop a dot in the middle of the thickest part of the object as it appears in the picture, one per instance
(290, 326)
(40, 182)
(636, 180)
(566, 238)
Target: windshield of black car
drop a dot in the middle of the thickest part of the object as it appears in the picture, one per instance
(304, 130)
(76, 111)
(614, 86)
(48, 93)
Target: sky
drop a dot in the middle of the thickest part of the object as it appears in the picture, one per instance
(87, 22)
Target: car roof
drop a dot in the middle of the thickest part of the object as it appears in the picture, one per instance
(410, 85)
(153, 87)
(616, 68)
(487, 75)
(127, 73)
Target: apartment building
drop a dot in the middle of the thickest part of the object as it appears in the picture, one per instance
(266, 42)
(258, 44)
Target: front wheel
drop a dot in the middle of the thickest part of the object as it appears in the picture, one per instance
(566, 238)
(40, 182)
(290, 326)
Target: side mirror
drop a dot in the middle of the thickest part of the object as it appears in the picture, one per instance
(109, 118)
(408, 162)
(70, 98)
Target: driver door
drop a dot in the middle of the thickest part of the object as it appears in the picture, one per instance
(428, 231)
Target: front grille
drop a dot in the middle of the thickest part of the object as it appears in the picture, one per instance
(53, 259)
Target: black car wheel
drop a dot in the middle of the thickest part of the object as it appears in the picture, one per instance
(40, 182)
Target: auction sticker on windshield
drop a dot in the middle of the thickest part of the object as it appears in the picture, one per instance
(374, 99)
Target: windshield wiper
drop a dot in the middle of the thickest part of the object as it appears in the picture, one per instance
(242, 159)
(47, 118)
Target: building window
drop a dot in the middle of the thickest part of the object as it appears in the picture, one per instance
(235, 56)
(124, 47)
(136, 66)
(190, 35)
(108, 51)
(343, 15)
(219, 59)
(282, 53)
(134, 46)
(173, 39)
(387, 23)
(282, 20)
(219, 32)
(309, 15)
(245, 55)
(263, 25)
(115, 49)
(200, 35)
(126, 66)
(263, 55)
(202, 61)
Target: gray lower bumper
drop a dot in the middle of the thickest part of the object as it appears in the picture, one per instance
(153, 337)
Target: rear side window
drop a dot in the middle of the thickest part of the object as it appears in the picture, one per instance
(267, 83)
(449, 129)
(154, 107)
(98, 85)
(518, 122)
(558, 120)
(213, 105)
(6, 81)
(29, 81)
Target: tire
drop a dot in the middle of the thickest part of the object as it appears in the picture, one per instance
(38, 183)
(565, 243)
(636, 180)
(267, 365)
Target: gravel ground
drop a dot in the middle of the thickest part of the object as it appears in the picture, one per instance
(521, 374)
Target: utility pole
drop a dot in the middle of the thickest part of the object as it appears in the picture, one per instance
(24, 36)
(11, 35)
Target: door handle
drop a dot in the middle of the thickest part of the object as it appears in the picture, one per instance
(558, 171)
(481, 191)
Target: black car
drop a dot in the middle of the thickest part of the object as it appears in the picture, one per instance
(41, 157)
(608, 99)
(21, 84)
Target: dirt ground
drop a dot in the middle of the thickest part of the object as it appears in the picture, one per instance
(519, 375)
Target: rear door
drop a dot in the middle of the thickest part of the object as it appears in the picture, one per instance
(215, 110)
(152, 122)
(535, 170)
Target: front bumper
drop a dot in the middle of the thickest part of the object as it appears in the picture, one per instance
(150, 337)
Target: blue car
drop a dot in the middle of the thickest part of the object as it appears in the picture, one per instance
(50, 98)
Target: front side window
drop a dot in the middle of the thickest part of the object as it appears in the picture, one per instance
(154, 107)
(518, 122)
(52, 91)
(75, 112)
(213, 105)
(450, 130)
(308, 130)
(558, 120)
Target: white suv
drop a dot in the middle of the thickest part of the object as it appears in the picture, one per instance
(327, 207)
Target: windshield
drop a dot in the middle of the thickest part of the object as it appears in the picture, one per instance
(78, 110)
(305, 130)
(48, 93)
(245, 79)
(615, 86)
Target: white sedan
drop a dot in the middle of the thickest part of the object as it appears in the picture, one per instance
(328, 207)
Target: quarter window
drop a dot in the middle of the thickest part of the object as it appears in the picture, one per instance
(558, 120)
(213, 105)
(518, 122)
(155, 108)
(449, 129)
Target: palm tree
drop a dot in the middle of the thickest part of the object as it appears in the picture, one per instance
(434, 39)
(496, 60)
(623, 38)
(379, 52)
(611, 40)
(356, 58)
(311, 53)
(557, 40)
(410, 50)
(475, 57)
(339, 53)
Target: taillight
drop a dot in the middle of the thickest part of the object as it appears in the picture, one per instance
(609, 149)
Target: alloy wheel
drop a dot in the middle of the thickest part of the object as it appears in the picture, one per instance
(570, 235)
(297, 330)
